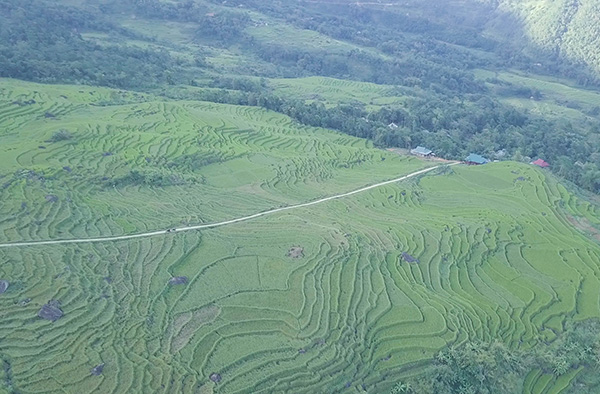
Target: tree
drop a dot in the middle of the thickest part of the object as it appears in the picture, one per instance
(61, 135)
(475, 368)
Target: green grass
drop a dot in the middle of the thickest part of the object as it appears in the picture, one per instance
(240, 160)
(274, 32)
(333, 91)
(498, 257)
(558, 98)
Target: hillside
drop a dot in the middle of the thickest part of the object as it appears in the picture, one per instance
(448, 86)
(311, 300)
(199, 196)
(567, 29)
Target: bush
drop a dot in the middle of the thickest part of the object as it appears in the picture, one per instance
(61, 135)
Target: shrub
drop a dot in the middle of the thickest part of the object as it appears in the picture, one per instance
(61, 135)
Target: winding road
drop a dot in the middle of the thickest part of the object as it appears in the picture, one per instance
(219, 224)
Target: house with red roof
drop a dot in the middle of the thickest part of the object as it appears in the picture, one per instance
(540, 163)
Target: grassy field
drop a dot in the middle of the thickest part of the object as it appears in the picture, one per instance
(558, 99)
(219, 161)
(333, 91)
(498, 255)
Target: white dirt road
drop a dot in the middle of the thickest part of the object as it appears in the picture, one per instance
(212, 225)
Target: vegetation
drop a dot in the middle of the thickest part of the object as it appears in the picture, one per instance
(499, 259)
(565, 29)
(442, 104)
(178, 113)
(42, 41)
(475, 367)
(491, 367)
(61, 135)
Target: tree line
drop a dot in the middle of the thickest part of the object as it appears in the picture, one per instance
(452, 128)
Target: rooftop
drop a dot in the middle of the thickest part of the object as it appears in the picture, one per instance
(421, 151)
(541, 163)
(477, 159)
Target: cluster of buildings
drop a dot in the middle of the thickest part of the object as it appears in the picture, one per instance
(472, 159)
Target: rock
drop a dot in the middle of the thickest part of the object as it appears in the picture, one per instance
(51, 311)
(3, 286)
(97, 370)
(296, 252)
(215, 377)
(178, 280)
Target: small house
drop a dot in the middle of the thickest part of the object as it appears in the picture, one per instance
(421, 152)
(540, 163)
(474, 159)
(393, 126)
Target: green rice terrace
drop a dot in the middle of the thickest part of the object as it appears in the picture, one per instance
(350, 295)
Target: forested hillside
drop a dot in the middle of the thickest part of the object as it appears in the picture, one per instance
(570, 30)
(437, 60)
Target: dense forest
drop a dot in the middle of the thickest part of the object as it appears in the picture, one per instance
(568, 30)
(493, 368)
(447, 108)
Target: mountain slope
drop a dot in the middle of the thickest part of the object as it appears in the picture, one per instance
(569, 29)
(352, 294)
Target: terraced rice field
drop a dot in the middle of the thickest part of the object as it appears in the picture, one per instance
(220, 161)
(333, 91)
(558, 99)
(317, 299)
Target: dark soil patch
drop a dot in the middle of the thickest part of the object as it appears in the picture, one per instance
(51, 311)
(584, 225)
(97, 370)
(178, 280)
(296, 252)
(408, 258)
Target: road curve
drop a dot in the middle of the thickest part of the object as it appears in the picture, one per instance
(219, 224)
